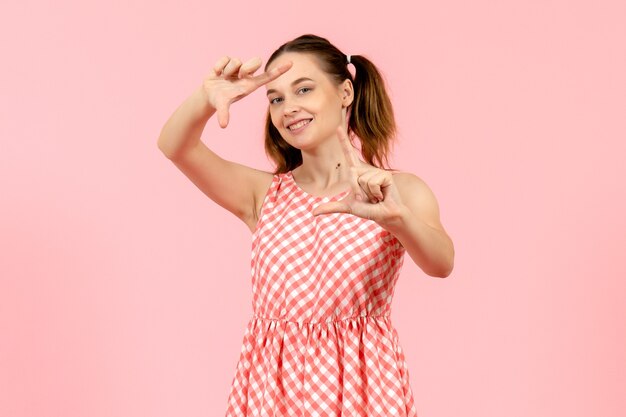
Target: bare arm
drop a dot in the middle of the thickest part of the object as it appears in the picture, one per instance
(214, 176)
(183, 129)
(419, 229)
(401, 203)
(233, 186)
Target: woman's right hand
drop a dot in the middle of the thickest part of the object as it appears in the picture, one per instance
(230, 81)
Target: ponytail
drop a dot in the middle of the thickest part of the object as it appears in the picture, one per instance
(372, 118)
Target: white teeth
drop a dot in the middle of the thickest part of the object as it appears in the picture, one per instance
(299, 124)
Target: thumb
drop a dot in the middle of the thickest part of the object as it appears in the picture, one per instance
(222, 115)
(331, 207)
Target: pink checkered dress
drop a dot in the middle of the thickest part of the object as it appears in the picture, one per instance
(320, 342)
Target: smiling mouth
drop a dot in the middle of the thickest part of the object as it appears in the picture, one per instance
(299, 124)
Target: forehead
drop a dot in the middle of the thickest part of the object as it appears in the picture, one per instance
(304, 65)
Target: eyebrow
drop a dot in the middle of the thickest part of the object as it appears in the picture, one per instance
(299, 80)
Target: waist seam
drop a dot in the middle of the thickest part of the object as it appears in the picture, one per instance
(380, 316)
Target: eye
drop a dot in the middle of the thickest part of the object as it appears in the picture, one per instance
(273, 101)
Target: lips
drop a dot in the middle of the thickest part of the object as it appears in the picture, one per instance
(296, 123)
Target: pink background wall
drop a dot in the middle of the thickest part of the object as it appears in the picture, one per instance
(124, 291)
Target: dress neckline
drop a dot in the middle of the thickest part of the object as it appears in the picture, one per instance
(337, 195)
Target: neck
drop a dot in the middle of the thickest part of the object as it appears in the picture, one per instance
(322, 168)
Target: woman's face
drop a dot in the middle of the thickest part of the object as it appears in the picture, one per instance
(305, 92)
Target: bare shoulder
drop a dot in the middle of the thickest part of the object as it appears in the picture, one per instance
(418, 197)
(261, 185)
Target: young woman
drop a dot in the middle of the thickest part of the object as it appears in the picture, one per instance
(330, 227)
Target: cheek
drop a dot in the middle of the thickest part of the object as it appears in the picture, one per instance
(275, 120)
(332, 117)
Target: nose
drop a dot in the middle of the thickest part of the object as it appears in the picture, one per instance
(290, 107)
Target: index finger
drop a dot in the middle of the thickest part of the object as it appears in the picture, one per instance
(268, 76)
(348, 149)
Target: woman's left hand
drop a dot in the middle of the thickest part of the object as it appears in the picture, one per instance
(374, 194)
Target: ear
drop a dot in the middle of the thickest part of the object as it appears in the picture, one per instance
(347, 92)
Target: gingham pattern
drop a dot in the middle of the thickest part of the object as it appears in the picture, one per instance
(320, 342)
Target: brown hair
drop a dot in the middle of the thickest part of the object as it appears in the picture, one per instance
(371, 118)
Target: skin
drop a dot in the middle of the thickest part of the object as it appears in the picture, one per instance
(321, 101)
(400, 202)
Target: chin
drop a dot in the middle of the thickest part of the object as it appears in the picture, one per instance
(299, 144)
